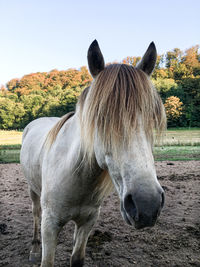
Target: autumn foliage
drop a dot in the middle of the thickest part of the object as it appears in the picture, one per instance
(173, 108)
(41, 94)
(176, 77)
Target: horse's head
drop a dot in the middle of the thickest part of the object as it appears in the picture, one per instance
(120, 112)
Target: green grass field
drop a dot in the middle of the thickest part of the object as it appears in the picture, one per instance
(174, 153)
(9, 153)
(177, 144)
(10, 144)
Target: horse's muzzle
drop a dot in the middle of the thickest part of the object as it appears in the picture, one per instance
(142, 211)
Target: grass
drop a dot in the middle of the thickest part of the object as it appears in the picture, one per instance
(174, 153)
(10, 137)
(177, 144)
(9, 155)
(181, 137)
(10, 144)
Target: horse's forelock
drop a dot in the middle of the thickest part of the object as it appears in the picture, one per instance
(117, 98)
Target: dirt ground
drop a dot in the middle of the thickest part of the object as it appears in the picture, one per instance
(174, 241)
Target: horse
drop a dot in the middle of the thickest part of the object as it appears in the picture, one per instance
(71, 163)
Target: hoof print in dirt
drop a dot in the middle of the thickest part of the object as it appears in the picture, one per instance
(3, 229)
(165, 188)
(98, 238)
(34, 257)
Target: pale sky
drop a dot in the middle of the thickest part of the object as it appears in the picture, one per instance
(41, 35)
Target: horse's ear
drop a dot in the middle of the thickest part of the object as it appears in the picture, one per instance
(95, 59)
(148, 61)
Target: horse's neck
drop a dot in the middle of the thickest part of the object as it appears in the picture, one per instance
(86, 169)
(70, 138)
(66, 151)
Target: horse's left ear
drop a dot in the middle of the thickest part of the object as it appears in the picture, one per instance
(95, 59)
(148, 62)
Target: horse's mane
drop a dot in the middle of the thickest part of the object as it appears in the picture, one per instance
(52, 134)
(111, 108)
(114, 106)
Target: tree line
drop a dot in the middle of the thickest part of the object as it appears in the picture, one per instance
(176, 77)
(40, 94)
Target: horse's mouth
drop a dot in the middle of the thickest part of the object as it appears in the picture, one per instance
(126, 217)
(137, 224)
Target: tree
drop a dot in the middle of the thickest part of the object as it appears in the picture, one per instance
(191, 96)
(131, 60)
(32, 104)
(54, 93)
(173, 108)
(164, 86)
(11, 114)
(191, 57)
(173, 57)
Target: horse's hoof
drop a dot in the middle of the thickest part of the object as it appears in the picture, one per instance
(34, 257)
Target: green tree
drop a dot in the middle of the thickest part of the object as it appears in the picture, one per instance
(32, 104)
(191, 96)
(164, 86)
(11, 114)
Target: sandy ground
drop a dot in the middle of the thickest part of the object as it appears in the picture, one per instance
(174, 241)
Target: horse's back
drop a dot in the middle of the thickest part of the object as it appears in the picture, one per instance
(32, 150)
(44, 124)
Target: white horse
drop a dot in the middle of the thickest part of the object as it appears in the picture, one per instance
(72, 162)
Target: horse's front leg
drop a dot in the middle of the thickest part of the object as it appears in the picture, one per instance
(49, 232)
(35, 250)
(82, 231)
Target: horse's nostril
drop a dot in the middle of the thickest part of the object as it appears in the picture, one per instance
(163, 200)
(130, 206)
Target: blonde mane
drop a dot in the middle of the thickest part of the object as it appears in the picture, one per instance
(52, 134)
(117, 98)
(111, 108)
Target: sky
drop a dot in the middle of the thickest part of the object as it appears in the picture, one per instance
(41, 35)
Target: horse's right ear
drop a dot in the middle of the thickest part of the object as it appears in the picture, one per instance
(95, 59)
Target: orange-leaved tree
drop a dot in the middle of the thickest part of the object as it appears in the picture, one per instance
(173, 108)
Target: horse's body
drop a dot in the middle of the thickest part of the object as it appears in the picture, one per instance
(63, 183)
(71, 163)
